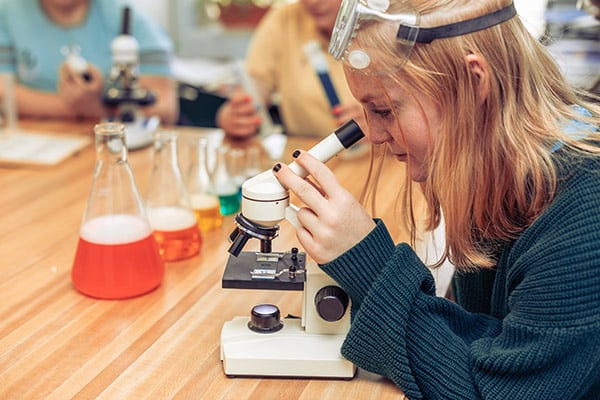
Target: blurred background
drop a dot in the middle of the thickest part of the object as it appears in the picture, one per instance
(206, 32)
(210, 35)
(222, 28)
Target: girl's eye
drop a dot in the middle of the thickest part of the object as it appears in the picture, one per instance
(382, 112)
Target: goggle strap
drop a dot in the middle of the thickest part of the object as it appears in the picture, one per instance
(427, 35)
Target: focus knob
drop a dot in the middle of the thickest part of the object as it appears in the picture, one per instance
(331, 303)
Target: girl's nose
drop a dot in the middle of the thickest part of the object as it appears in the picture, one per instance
(377, 135)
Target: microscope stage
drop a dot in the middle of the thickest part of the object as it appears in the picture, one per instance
(266, 271)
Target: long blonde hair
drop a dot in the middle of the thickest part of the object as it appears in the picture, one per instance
(491, 169)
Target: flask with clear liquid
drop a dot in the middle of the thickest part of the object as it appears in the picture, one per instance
(223, 184)
(198, 183)
(117, 256)
(168, 205)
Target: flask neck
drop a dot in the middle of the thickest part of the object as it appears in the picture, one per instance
(166, 186)
(221, 170)
(111, 146)
(198, 172)
(113, 187)
(165, 152)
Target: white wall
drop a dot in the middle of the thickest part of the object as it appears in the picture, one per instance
(158, 9)
(179, 19)
(532, 14)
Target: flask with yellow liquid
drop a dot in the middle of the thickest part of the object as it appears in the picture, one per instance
(198, 184)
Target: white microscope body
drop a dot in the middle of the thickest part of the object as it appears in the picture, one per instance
(263, 344)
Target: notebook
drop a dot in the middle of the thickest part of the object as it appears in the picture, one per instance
(20, 147)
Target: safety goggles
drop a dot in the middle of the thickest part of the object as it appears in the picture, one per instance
(366, 52)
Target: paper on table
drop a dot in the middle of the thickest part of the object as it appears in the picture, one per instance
(22, 147)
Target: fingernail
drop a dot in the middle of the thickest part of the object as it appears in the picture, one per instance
(296, 153)
(277, 167)
(336, 110)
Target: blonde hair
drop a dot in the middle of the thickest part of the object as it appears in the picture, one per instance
(496, 155)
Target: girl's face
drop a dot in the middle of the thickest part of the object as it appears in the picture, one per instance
(407, 125)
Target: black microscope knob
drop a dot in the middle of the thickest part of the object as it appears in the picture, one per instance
(331, 303)
(265, 318)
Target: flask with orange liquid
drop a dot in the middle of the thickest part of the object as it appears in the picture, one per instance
(198, 183)
(168, 205)
(117, 256)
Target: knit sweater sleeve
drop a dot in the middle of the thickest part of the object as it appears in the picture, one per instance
(547, 345)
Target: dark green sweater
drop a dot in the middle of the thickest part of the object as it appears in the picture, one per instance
(530, 329)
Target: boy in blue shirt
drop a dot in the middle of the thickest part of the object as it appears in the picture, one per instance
(36, 35)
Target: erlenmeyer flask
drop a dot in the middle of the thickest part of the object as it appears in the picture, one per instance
(253, 162)
(223, 184)
(198, 184)
(168, 205)
(117, 256)
(236, 160)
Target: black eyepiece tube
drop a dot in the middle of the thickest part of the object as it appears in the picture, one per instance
(125, 22)
(238, 243)
(349, 133)
(233, 235)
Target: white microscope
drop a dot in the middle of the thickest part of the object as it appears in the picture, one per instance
(122, 93)
(263, 343)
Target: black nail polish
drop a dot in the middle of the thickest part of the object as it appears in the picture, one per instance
(277, 167)
(296, 153)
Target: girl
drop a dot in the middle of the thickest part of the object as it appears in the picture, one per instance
(478, 110)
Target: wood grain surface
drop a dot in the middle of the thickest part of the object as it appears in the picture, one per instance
(56, 343)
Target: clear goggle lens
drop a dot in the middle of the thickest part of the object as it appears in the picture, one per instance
(395, 31)
(356, 50)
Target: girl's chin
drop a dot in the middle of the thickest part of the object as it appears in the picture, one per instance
(416, 174)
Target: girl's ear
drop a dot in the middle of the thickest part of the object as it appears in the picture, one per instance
(480, 68)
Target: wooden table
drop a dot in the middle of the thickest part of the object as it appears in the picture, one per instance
(56, 343)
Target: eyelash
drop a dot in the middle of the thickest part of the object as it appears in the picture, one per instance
(385, 113)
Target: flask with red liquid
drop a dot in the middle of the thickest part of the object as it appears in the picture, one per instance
(117, 256)
(167, 203)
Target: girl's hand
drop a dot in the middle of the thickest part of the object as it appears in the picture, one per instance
(333, 221)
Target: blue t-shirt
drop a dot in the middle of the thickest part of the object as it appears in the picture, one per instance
(33, 47)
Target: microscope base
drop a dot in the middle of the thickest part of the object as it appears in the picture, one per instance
(140, 133)
(290, 352)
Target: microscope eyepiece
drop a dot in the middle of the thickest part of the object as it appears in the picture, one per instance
(349, 133)
(126, 21)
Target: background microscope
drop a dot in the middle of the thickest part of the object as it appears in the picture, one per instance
(123, 95)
